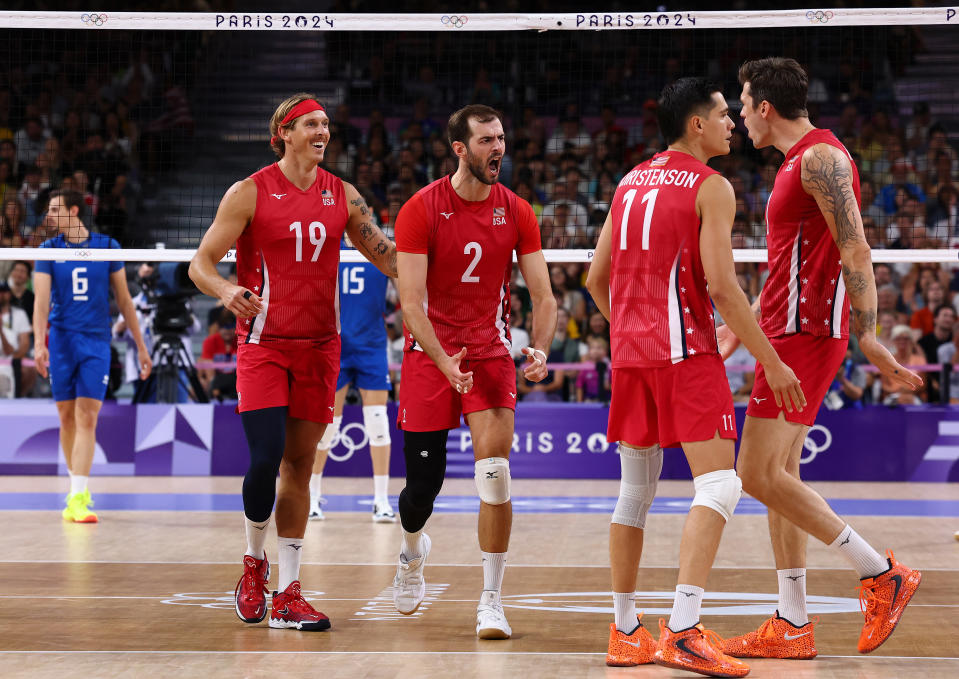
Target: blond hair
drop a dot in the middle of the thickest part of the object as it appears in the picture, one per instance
(276, 143)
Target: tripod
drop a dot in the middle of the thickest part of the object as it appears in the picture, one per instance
(170, 357)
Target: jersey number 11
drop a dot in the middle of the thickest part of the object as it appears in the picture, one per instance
(648, 197)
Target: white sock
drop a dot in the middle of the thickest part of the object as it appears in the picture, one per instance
(381, 491)
(256, 537)
(78, 483)
(411, 543)
(686, 606)
(792, 595)
(624, 605)
(494, 564)
(315, 493)
(289, 549)
(866, 560)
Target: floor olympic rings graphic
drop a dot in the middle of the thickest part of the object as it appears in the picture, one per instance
(95, 18)
(819, 16)
(455, 20)
(345, 438)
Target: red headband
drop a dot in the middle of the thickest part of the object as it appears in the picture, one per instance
(304, 107)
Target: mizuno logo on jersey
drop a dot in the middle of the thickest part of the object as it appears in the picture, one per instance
(447, 214)
(327, 197)
(792, 161)
(659, 162)
(278, 196)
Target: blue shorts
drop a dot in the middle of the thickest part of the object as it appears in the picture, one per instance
(79, 365)
(365, 367)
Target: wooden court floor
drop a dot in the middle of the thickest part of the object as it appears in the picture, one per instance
(150, 592)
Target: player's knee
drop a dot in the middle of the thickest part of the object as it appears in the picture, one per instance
(377, 425)
(329, 438)
(640, 470)
(425, 453)
(493, 480)
(719, 490)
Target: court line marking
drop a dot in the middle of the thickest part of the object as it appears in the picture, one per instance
(392, 564)
(454, 653)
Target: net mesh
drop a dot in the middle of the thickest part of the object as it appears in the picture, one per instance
(154, 116)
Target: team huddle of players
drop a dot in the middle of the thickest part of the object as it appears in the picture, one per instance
(667, 239)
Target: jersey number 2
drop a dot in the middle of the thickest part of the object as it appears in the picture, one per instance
(648, 197)
(468, 276)
(317, 236)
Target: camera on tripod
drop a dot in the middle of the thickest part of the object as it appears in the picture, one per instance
(167, 292)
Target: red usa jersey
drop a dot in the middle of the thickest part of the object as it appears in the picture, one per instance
(805, 291)
(470, 248)
(288, 255)
(661, 311)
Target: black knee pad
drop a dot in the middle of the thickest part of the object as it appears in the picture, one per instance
(266, 435)
(425, 453)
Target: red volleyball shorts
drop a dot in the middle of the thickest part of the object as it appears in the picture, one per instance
(687, 401)
(815, 359)
(303, 378)
(429, 403)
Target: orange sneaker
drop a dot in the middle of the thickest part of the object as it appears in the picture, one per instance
(696, 649)
(882, 600)
(775, 638)
(629, 650)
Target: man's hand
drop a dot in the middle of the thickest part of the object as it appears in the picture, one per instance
(460, 381)
(784, 384)
(535, 368)
(880, 357)
(146, 363)
(242, 302)
(728, 342)
(41, 357)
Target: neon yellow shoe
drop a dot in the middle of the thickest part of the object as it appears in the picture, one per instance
(78, 508)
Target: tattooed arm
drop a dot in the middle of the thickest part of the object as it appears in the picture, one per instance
(827, 177)
(366, 236)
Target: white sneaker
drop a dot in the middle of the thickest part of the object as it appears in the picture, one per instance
(409, 587)
(383, 513)
(316, 514)
(490, 618)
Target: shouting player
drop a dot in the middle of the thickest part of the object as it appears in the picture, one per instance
(455, 243)
(78, 357)
(667, 235)
(287, 221)
(819, 263)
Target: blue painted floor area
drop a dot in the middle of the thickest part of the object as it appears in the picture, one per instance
(206, 502)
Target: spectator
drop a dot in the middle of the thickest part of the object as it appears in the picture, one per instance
(886, 321)
(907, 353)
(564, 346)
(741, 380)
(597, 326)
(19, 282)
(14, 340)
(947, 354)
(849, 386)
(900, 182)
(568, 137)
(29, 141)
(571, 298)
(550, 388)
(944, 319)
(592, 383)
(922, 319)
(220, 347)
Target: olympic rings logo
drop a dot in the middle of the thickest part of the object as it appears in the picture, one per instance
(96, 19)
(819, 17)
(812, 446)
(347, 440)
(454, 20)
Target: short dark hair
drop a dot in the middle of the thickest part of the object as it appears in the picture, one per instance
(458, 127)
(681, 99)
(27, 264)
(781, 81)
(70, 199)
(942, 307)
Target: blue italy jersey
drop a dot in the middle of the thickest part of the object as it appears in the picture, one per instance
(362, 305)
(79, 290)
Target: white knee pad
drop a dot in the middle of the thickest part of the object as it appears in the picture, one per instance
(331, 434)
(377, 425)
(640, 469)
(719, 490)
(492, 480)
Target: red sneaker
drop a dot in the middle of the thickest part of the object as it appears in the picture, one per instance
(883, 599)
(290, 610)
(251, 590)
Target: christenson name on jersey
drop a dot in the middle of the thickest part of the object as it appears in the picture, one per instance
(289, 254)
(805, 291)
(661, 311)
(470, 247)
